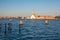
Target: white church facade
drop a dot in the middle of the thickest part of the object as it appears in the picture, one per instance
(34, 16)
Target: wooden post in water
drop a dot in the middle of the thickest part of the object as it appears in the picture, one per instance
(5, 29)
(20, 25)
(46, 22)
(0, 25)
(10, 24)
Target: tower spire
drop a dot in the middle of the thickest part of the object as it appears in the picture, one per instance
(33, 12)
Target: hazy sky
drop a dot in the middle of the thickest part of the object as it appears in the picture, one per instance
(25, 7)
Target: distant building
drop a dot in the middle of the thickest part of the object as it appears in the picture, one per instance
(34, 16)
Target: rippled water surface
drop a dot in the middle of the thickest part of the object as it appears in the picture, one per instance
(30, 30)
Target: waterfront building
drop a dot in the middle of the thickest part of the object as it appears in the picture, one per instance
(34, 16)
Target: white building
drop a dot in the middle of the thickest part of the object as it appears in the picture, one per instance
(34, 16)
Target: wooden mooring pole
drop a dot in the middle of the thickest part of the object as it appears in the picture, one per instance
(5, 29)
(9, 26)
(46, 22)
(0, 24)
(20, 25)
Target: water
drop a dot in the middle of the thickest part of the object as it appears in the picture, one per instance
(30, 30)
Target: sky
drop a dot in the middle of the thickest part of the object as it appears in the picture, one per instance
(25, 7)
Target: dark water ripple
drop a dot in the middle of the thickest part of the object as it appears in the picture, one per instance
(30, 30)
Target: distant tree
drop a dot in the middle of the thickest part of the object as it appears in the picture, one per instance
(57, 16)
(24, 17)
(19, 17)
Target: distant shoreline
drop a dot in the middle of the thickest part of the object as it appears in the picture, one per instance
(40, 19)
(31, 19)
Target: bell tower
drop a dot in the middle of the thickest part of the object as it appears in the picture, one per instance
(33, 15)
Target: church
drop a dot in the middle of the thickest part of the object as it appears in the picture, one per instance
(34, 16)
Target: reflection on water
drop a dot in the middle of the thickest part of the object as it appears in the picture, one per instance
(30, 30)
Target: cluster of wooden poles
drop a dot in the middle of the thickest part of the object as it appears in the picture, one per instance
(10, 26)
(20, 25)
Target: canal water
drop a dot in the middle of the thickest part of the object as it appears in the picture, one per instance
(30, 30)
